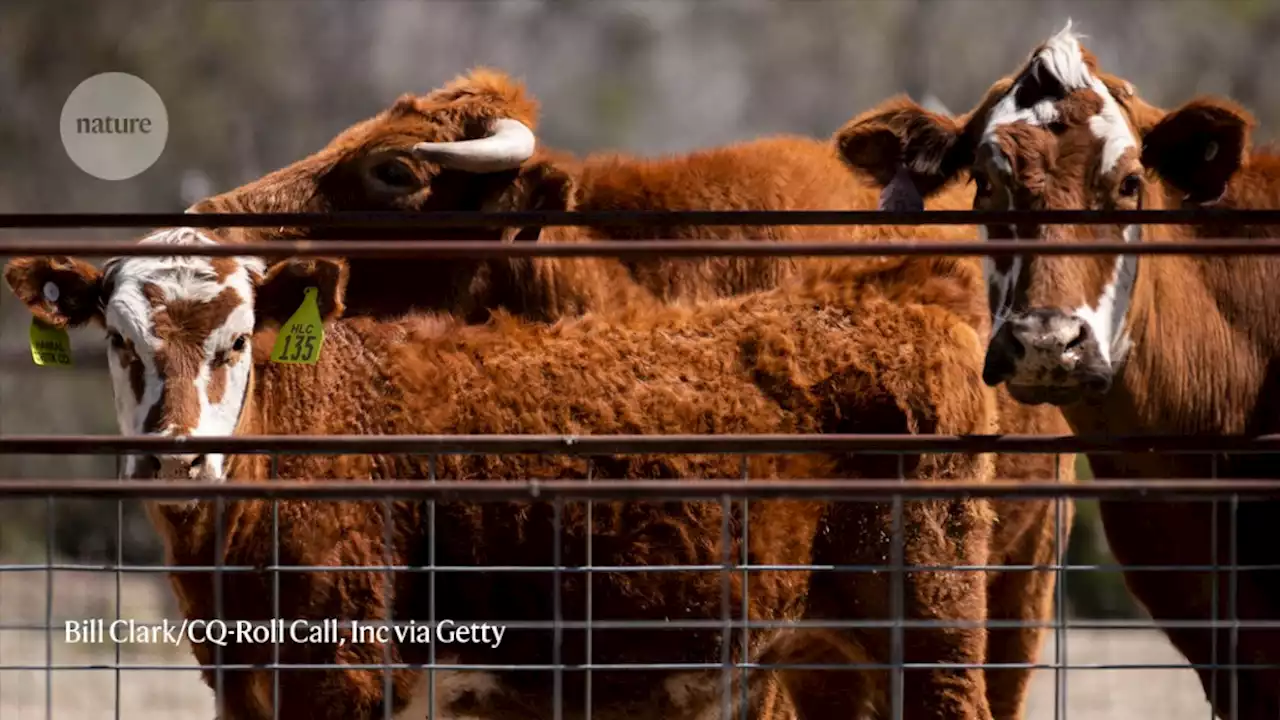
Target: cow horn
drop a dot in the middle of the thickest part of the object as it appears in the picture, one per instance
(508, 145)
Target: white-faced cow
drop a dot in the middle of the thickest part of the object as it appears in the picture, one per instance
(1133, 344)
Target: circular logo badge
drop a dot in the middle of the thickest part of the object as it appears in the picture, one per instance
(114, 126)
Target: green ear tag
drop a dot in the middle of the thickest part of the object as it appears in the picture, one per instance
(49, 345)
(300, 338)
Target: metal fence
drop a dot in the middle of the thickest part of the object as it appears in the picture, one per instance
(132, 675)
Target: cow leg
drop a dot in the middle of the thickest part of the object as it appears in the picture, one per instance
(943, 534)
(938, 535)
(1027, 532)
(1256, 597)
(1256, 521)
(1024, 597)
(1152, 534)
(1172, 534)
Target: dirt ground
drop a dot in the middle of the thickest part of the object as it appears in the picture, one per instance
(175, 690)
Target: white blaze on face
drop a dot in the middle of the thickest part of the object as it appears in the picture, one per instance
(132, 315)
(1106, 315)
(1062, 59)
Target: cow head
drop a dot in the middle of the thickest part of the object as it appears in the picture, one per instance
(179, 332)
(467, 146)
(1058, 135)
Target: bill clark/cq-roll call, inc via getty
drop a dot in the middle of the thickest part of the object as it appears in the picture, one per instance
(227, 632)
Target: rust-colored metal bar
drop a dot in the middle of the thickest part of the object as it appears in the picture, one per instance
(633, 444)
(656, 218)
(635, 489)
(480, 249)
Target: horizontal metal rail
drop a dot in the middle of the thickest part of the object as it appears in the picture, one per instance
(614, 667)
(59, 623)
(594, 569)
(583, 490)
(585, 445)
(646, 218)
(481, 249)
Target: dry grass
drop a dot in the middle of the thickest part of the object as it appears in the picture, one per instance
(178, 692)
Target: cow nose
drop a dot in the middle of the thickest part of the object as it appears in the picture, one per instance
(1039, 340)
(146, 467)
(179, 467)
(1046, 335)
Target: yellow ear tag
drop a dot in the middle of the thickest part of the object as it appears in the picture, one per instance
(49, 345)
(300, 338)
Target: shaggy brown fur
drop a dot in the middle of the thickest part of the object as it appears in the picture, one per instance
(810, 356)
(1029, 533)
(351, 173)
(1205, 335)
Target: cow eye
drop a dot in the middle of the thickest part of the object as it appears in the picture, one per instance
(1130, 186)
(239, 344)
(116, 339)
(396, 174)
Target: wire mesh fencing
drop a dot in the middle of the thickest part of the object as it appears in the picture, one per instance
(741, 595)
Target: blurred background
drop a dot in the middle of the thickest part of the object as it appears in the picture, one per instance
(251, 86)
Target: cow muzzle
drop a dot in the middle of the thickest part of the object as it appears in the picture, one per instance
(1047, 356)
(172, 467)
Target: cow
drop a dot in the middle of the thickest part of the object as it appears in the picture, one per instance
(1130, 344)
(468, 146)
(869, 346)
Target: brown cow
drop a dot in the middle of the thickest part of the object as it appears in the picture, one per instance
(1132, 344)
(469, 146)
(884, 346)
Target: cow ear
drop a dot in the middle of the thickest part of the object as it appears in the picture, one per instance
(282, 289)
(540, 185)
(1199, 147)
(899, 134)
(60, 291)
(900, 195)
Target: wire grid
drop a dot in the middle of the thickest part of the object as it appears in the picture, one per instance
(726, 624)
(1059, 624)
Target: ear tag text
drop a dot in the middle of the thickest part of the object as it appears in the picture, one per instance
(300, 338)
(50, 346)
